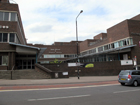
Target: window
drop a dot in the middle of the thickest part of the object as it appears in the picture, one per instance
(12, 37)
(5, 37)
(1, 16)
(136, 73)
(112, 45)
(100, 49)
(120, 43)
(116, 44)
(6, 16)
(13, 16)
(124, 42)
(3, 60)
(106, 47)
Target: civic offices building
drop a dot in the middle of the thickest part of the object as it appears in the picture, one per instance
(120, 43)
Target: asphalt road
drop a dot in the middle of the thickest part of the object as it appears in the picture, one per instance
(88, 95)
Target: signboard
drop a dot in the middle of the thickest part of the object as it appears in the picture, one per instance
(65, 73)
(73, 64)
(126, 62)
(89, 65)
(86, 65)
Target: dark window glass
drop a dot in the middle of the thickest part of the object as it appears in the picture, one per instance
(124, 42)
(13, 16)
(12, 37)
(106, 47)
(136, 73)
(112, 45)
(1, 16)
(5, 37)
(100, 49)
(0, 37)
(6, 16)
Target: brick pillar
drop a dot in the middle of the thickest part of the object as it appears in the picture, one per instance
(9, 61)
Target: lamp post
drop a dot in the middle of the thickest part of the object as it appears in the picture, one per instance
(77, 44)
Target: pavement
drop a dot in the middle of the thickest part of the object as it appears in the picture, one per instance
(70, 80)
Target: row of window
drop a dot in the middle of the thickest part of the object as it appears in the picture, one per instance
(4, 60)
(8, 37)
(59, 56)
(117, 44)
(8, 16)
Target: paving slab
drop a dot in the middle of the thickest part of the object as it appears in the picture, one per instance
(70, 80)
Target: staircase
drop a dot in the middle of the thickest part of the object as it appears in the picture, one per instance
(24, 74)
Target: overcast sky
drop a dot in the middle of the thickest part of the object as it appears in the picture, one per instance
(49, 21)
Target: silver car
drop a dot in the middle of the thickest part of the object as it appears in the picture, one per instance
(129, 77)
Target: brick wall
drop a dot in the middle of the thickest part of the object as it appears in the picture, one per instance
(100, 68)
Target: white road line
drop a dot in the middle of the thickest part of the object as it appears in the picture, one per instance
(126, 91)
(59, 88)
(55, 98)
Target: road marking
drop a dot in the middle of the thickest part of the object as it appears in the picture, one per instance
(55, 98)
(58, 88)
(126, 91)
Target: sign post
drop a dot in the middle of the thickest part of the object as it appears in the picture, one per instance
(135, 62)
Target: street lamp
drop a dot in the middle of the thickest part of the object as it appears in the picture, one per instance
(77, 43)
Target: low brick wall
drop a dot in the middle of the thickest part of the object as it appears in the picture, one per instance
(99, 69)
(3, 67)
(23, 74)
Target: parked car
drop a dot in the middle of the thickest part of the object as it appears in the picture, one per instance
(129, 77)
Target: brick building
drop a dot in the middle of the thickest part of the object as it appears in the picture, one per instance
(117, 47)
(14, 52)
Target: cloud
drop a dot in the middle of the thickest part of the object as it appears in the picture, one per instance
(46, 21)
(41, 28)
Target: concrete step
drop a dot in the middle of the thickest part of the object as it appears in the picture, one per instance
(23, 74)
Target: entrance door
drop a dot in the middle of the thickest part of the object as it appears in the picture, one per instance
(25, 61)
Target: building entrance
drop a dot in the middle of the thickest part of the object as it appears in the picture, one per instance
(25, 61)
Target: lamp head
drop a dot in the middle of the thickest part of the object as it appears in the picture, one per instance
(81, 11)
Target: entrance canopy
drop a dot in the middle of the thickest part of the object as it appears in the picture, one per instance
(24, 49)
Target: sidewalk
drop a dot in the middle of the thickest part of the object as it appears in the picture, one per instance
(71, 80)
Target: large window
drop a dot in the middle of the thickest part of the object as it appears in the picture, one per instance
(8, 16)
(4, 60)
(4, 37)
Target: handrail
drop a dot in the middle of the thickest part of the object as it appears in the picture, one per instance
(43, 68)
(13, 67)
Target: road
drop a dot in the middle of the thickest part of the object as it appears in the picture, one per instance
(110, 94)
